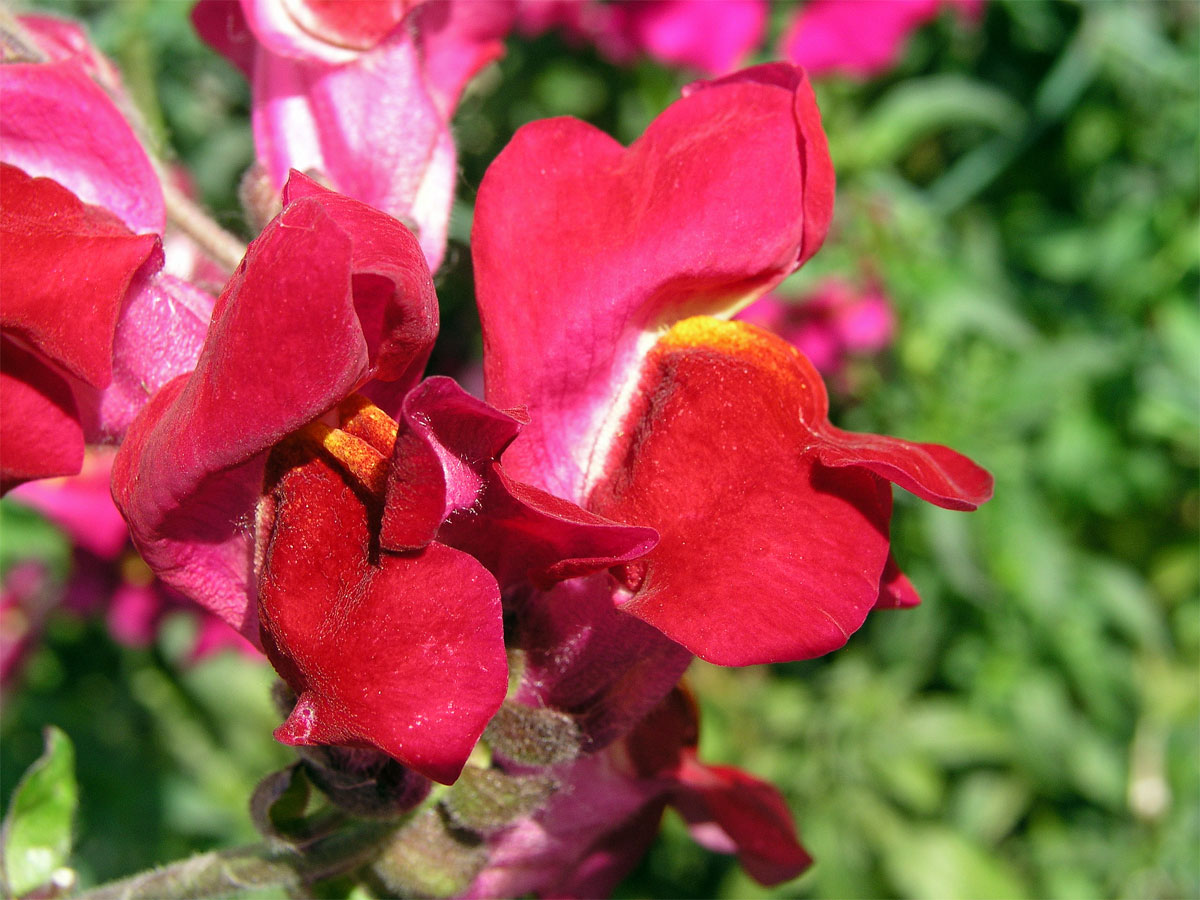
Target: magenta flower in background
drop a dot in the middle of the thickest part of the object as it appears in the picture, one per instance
(711, 37)
(860, 38)
(360, 95)
(91, 324)
(829, 325)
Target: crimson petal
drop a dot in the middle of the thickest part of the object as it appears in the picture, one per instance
(66, 268)
(767, 553)
(40, 434)
(332, 295)
(584, 249)
(404, 653)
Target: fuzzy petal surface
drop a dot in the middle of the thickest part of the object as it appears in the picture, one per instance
(773, 524)
(585, 250)
(40, 434)
(65, 267)
(404, 653)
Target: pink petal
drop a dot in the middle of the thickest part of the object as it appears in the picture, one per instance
(332, 295)
(457, 39)
(58, 123)
(159, 337)
(766, 553)
(711, 36)
(222, 25)
(371, 128)
(404, 654)
(65, 267)
(584, 249)
(40, 434)
(862, 38)
(356, 26)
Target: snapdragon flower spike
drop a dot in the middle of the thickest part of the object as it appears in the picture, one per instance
(773, 524)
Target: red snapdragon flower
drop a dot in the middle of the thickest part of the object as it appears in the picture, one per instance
(269, 488)
(90, 324)
(361, 93)
(599, 271)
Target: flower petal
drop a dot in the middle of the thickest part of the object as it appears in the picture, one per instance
(65, 267)
(404, 653)
(58, 123)
(446, 480)
(731, 811)
(40, 434)
(332, 295)
(767, 553)
(584, 249)
(369, 127)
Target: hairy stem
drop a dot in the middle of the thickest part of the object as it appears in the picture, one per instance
(259, 867)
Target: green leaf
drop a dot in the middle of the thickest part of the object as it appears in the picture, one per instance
(36, 837)
(919, 107)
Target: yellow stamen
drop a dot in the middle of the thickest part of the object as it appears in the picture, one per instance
(357, 458)
(363, 419)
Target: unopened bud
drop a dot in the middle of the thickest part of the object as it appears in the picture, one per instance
(533, 737)
(486, 800)
(364, 783)
(429, 857)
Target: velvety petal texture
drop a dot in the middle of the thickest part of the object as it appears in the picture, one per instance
(773, 523)
(400, 652)
(331, 296)
(66, 267)
(585, 250)
(40, 434)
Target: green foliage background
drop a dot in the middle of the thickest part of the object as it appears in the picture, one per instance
(1026, 191)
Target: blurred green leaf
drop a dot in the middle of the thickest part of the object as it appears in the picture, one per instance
(37, 831)
(918, 107)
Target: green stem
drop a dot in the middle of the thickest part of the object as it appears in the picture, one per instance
(259, 867)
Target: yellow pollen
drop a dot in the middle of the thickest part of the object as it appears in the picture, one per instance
(363, 419)
(357, 458)
(738, 339)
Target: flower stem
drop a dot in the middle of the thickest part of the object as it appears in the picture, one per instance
(258, 867)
